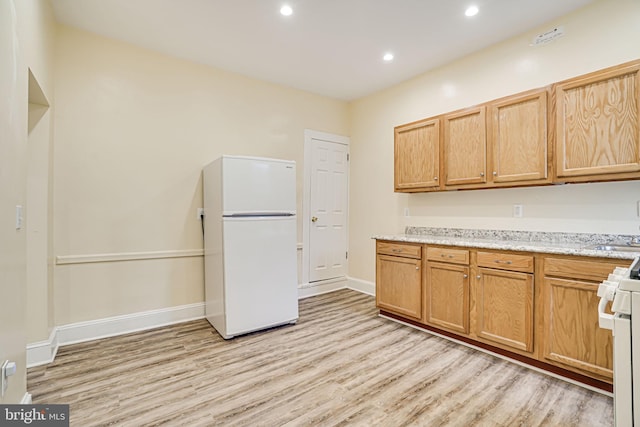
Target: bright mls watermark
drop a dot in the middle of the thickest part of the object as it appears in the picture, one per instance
(34, 415)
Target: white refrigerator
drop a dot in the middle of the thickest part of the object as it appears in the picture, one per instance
(250, 245)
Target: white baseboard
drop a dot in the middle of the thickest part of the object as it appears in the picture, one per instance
(363, 286)
(26, 399)
(318, 288)
(44, 352)
(307, 290)
(119, 325)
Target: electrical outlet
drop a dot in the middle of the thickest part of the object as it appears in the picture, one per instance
(517, 211)
(200, 214)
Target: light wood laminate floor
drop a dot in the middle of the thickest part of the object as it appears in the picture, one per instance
(340, 365)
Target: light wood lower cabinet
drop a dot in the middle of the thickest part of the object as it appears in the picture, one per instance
(448, 296)
(505, 308)
(571, 336)
(571, 333)
(447, 290)
(543, 307)
(399, 279)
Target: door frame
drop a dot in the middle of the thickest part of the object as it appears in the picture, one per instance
(309, 136)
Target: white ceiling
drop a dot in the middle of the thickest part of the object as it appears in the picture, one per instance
(330, 47)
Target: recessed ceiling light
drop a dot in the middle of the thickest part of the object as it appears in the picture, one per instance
(286, 10)
(471, 11)
(388, 57)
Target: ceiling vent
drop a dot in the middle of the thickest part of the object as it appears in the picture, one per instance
(548, 36)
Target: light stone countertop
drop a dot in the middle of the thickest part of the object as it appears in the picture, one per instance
(538, 242)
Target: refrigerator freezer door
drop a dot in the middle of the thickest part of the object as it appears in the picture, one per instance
(260, 269)
(258, 185)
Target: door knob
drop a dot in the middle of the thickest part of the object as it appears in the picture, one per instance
(314, 218)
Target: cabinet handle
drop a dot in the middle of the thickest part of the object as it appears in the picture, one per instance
(396, 250)
(478, 277)
(481, 173)
(447, 256)
(502, 262)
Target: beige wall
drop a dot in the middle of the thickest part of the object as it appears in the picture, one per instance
(39, 197)
(603, 34)
(25, 37)
(133, 129)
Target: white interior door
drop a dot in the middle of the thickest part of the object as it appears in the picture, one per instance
(328, 210)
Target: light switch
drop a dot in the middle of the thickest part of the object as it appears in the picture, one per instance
(18, 217)
(8, 369)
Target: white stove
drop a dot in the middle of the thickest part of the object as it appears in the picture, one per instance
(623, 288)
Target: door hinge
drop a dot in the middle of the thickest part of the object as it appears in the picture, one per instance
(346, 255)
(347, 157)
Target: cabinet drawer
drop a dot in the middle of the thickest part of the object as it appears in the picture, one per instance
(455, 256)
(503, 261)
(582, 269)
(400, 249)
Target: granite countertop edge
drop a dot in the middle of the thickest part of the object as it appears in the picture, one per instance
(579, 247)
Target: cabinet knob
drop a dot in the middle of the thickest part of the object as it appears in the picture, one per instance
(435, 178)
(478, 277)
(465, 275)
(314, 219)
(481, 173)
(495, 173)
(417, 268)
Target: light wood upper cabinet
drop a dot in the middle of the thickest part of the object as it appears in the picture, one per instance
(582, 129)
(465, 147)
(518, 137)
(598, 124)
(417, 156)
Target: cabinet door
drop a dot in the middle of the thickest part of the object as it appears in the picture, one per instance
(448, 296)
(571, 335)
(465, 147)
(505, 308)
(417, 155)
(598, 123)
(519, 137)
(399, 285)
